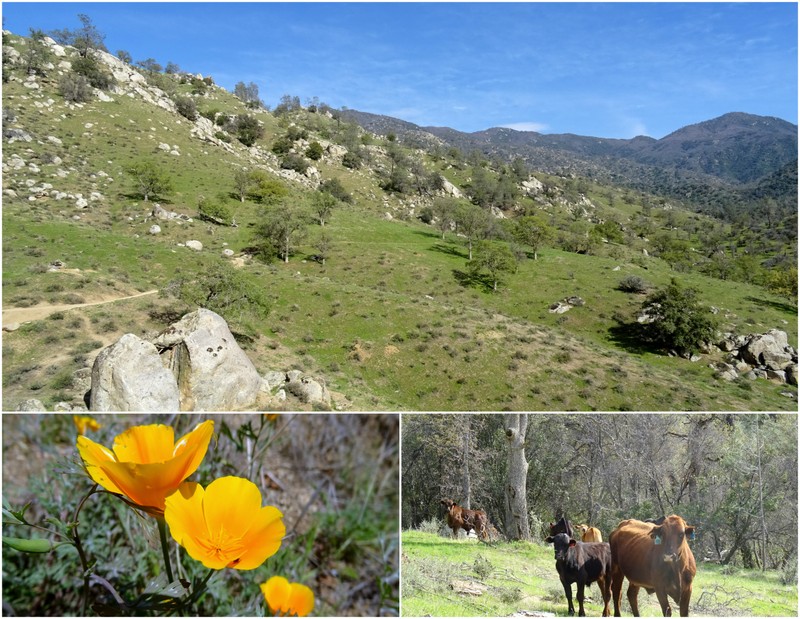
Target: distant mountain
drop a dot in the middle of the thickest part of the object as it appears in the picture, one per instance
(730, 152)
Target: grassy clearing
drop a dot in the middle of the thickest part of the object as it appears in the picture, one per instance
(518, 577)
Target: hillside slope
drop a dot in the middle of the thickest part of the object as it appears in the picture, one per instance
(392, 319)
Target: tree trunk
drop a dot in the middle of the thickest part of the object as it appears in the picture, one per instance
(466, 482)
(517, 527)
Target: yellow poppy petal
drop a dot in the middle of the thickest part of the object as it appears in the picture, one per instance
(276, 592)
(95, 457)
(230, 504)
(149, 484)
(301, 600)
(183, 511)
(263, 539)
(195, 442)
(145, 444)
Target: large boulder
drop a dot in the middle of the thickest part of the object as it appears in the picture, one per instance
(129, 376)
(212, 372)
(770, 345)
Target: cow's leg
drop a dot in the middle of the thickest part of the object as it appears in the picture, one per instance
(686, 594)
(568, 593)
(581, 612)
(617, 580)
(633, 598)
(604, 583)
(666, 609)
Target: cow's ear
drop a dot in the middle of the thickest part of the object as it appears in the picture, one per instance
(655, 534)
(572, 542)
(548, 539)
(689, 532)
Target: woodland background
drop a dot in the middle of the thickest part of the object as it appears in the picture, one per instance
(734, 476)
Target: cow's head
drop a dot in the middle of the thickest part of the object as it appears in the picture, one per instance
(670, 536)
(448, 504)
(562, 526)
(561, 545)
(582, 528)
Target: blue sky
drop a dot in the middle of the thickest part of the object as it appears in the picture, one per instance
(601, 69)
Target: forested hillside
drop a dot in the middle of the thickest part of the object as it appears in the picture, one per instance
(402, 272)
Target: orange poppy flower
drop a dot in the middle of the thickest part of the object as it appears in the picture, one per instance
(84, 422)
(288, 599)
(146, 463)
(225, 524)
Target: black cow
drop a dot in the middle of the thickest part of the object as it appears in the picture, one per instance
(562, 526)
(583, 563)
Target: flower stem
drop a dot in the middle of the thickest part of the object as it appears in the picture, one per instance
(162, 532)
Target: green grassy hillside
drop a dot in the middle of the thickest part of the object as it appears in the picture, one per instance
(394, 320)
(521, 577)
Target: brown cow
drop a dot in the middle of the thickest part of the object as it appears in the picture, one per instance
(467, 519)
(655, 557)
(589, 534)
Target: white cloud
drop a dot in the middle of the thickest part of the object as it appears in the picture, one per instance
(526, 126)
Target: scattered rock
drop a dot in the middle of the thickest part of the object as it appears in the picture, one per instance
(30, 406)
(155, 229)
(195, 245)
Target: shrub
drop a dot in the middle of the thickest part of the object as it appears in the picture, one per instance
(295, 162)
(314, 151)
(90, 68)
(248, 129)
(679, 322)
(334, 187)
(282, 145)
(215, 212)
(352, 159)
(75, 88)
(186, 107)
(632, 283)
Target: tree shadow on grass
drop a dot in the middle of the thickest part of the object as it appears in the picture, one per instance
(428, 234)
(449, 250)
(137, 197)
(473, 280)
(629, 337)
(778, 305)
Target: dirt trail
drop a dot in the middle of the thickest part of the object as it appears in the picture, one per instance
(37, 312)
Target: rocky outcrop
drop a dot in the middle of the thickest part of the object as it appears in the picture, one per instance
(566, 304)
(210, 370)
(766, 355)
(194, 365)
(129, 376)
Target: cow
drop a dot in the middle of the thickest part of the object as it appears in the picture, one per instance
(589, 534)
(467, 519)
(582, 563)
(656, 557)
(562, 526)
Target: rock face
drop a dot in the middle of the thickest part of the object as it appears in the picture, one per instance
(766, 355)
(129, 376)
(211, 371)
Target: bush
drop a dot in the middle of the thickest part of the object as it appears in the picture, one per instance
(186, 107)
(282, 145)
(295, 162)
(215, 212)
(75, 88)
(90, 68)
(352, 159)
(334, 187)
(314, 151)
(632, 283)
(248, 129)
(679, 322)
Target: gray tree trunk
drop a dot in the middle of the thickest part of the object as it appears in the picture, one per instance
(466, 482)
(517, 527)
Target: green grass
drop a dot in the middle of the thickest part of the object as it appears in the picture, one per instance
(521, 576)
